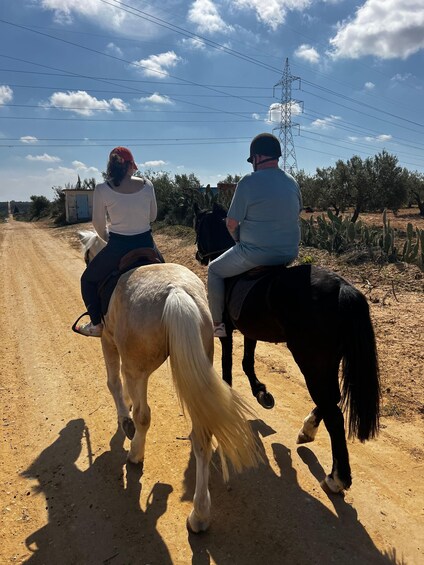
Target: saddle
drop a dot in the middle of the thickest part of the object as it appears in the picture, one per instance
(131, 260)
(238, 288)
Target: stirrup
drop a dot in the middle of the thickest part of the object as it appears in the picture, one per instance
(86, 329)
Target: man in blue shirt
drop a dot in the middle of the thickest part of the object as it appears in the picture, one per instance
(263, 219)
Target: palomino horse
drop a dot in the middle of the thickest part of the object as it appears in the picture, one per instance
(160, 311)
(325, 322)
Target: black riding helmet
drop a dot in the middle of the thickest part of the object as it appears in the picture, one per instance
(265, 144)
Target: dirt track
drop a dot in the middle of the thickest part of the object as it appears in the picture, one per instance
(67, 496)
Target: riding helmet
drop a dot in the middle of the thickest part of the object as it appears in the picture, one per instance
(265, 144)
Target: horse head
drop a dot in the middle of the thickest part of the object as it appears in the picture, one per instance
(212, 236)
(91, 244)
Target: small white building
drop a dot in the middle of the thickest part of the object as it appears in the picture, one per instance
(78, 205)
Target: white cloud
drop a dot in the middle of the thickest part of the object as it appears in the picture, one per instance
(386, 29)
(106, 16)
(157, 65)
(325, 123)
(193, 44)
(276, 111)
(6, 94)
(256, 116)
(83, 103)
(204, 14)
(157, 98)
(382, 137)
(114, 49)
(78, 164)
(272, 12)
(158, 163)
(28, 139)
(402, 78)
(45, 158)
(30, 179)
(67, 172)
(307, 53)
(369, 86)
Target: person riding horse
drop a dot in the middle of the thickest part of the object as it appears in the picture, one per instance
(263, 219)
(130, 203)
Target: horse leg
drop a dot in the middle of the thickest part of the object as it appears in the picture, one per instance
(227, 357)
(199, 518)
(114, 383)
(340, 477)
(265, 399)
(320, 369)
(310, 426)
(136, 382)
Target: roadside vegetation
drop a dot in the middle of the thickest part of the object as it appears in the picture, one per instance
(335, 199)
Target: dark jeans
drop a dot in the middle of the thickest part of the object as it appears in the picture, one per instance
(106, 261)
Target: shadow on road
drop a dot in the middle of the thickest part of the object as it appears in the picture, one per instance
(267, 518)
(94, 516)
(263, 517)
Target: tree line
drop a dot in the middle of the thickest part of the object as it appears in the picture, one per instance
(359, 185)
(342, 191)
(364, 185)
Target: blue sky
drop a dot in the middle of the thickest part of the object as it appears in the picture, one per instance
(187, 84)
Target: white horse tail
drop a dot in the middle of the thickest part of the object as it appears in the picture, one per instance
(214, 408)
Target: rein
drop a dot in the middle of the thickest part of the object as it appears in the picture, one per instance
(204, 255)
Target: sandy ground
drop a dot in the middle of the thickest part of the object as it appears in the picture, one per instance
(67, 496)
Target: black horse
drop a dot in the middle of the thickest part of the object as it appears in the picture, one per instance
(325, 322)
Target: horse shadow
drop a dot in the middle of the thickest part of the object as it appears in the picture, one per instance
(92, 512)
(264, 516)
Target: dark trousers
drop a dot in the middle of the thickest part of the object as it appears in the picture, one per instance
(106, 261)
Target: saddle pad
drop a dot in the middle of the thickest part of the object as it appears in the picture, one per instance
(136, 258)
(238, 288)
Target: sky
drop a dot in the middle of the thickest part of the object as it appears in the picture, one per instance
(187, 84)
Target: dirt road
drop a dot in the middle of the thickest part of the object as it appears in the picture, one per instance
(67, 496)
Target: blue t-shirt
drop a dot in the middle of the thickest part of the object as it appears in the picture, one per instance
(267, 204)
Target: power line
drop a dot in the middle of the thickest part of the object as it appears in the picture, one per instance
(132, 63)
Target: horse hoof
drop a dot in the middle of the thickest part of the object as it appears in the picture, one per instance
(128, 427)
(304, 438)
(196, 528)
(265, 399)
(330, 486)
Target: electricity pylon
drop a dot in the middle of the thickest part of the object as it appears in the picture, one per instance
(285, 127)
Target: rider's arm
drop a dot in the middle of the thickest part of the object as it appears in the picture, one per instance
(233, 227)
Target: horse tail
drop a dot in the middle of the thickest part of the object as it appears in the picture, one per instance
(360, 374)
(214, 408)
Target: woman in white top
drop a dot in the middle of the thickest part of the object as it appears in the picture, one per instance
(130, 204)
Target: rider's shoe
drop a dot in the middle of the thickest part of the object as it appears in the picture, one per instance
(90, 330)
(219, 330)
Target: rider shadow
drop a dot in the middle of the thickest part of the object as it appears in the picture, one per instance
(264, 516)
(94, 516)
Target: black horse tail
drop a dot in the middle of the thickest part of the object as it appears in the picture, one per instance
(360, 379)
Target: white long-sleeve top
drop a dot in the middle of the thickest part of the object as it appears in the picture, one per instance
(129, 214)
